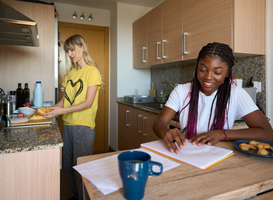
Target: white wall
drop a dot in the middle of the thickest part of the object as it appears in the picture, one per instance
(113, 109)
(123, 78)
(269, 60)
(100, 17)
(128, 78)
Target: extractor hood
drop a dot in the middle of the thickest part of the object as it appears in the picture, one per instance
(16, 28)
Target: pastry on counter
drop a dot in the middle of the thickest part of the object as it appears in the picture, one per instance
(37, 117)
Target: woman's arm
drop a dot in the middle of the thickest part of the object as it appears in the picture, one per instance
(59, 110)
(161, 129)
(259, 129)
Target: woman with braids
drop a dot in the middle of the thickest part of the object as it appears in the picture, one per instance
(78, 108)
(209, 105)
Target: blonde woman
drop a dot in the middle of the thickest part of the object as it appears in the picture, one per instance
(78, 108)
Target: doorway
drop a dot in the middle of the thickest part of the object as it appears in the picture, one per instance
(97, 39)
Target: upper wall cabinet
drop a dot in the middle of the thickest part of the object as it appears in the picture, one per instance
(165, 33)
(238, 23)
(140, 42)
(176, 30)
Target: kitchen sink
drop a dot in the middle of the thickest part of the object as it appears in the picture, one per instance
(154, 105)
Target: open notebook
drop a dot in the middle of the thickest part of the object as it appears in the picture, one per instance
(203, 157)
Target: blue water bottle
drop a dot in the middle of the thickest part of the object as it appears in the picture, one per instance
(38, 95)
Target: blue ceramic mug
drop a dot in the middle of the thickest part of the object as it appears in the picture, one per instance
(134, 168)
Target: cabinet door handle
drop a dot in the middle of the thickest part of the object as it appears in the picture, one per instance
(138, 119)
(143, 132)
(163, 47)
(127, 124)
(143, 54)
(157, 57)
(184, 43)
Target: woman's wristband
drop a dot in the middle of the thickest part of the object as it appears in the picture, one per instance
(225, 133)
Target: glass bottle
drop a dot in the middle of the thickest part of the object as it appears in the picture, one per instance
(19, 96)
(26, 94)
(13, 98)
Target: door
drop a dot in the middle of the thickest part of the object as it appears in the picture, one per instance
(97, 39)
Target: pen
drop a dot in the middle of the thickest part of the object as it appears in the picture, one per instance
(183, 131)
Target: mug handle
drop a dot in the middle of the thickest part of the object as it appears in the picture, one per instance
(152, 173)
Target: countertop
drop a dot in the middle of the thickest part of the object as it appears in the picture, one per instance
(13, 140)
(155, 111)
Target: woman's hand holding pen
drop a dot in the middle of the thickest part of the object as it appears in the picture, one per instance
(173, 137)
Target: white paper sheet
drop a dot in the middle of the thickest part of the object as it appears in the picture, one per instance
(198, 156)
(103, 173)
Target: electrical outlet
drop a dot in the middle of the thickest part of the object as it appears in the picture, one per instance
(258, 85)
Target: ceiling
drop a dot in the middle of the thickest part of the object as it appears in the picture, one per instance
(108, 4)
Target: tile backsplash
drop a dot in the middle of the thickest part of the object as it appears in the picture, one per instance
(244, 68)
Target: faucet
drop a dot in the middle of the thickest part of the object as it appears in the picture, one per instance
(168, 84)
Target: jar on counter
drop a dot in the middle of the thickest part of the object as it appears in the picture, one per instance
(8, 106)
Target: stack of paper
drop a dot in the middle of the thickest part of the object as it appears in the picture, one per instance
(203, 157)
(104, 174)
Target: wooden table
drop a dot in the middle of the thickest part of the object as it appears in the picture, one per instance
(239, 177)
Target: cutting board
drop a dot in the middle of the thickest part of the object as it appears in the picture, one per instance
(32, 122)
(152, 91)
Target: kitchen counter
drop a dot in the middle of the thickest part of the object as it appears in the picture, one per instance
(237, 124)
(30, 161)
(14, 140)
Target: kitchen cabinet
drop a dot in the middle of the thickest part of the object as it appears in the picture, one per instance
(124, 136)
(177, 30)
(238, 23)
(134, 127)
(165, 33)
(30, 163)
(24, 64)
(140, 45)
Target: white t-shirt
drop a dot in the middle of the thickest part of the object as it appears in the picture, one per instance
(240, 104)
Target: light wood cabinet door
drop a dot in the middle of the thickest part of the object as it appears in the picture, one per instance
(148, 133)
(238, 23)
(172, 31)
(124, 127)
(249, 26)
(154, 21)
(135, 127)
(140, 42)
(205, 21)
(142, 127)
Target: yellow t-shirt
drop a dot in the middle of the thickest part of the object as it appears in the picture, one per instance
(76, 85)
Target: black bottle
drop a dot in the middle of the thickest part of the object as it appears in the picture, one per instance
(19, 96)
(26, 98)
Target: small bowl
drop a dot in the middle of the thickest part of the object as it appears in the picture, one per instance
(27, 111)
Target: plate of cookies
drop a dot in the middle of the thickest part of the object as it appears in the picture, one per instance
(255, 147)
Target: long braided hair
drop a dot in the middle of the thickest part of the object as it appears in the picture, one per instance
(224, 52)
